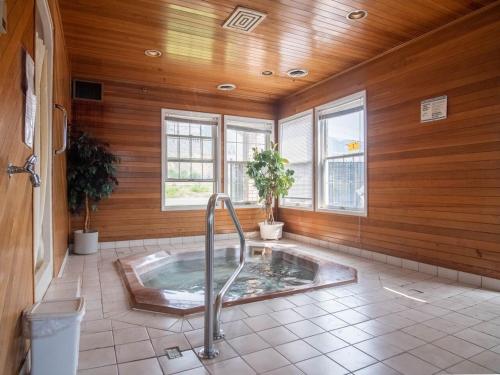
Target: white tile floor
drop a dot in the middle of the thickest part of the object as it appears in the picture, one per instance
(392, 321)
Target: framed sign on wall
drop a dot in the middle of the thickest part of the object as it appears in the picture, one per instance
(434, 109)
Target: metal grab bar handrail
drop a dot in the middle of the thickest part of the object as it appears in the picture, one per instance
(212, 321)
(65, 128)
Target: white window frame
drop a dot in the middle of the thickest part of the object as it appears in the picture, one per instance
(309, 112)
(252, 120)
(217, 183)
(319, 157)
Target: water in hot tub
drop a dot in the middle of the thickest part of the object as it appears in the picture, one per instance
(260, 275)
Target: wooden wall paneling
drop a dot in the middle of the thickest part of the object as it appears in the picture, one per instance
(61, 95)
(433, 189)
(16, 202)
(129, 120)
(16, 239)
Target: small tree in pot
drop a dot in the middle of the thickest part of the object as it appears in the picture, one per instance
(272, 180)
(91, 174)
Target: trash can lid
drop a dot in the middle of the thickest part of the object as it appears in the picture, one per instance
(63, 308)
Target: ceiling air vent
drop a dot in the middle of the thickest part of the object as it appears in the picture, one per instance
(297, 73)
(226, 86)
(244, 19)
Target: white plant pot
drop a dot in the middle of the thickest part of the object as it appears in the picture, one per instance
(271, 231)
(85, 243)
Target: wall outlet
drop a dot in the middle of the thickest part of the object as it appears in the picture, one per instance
(3, 17)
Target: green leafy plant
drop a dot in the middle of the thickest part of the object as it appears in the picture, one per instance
(91, 174)
(271, 178)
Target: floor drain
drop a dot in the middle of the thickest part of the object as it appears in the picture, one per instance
(173, 353)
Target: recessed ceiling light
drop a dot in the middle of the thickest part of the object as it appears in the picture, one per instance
(152, 53)
(297, 72)
(267, 73)
(226, 86)
(357, 14)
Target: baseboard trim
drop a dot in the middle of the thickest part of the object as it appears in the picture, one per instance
(63, 265)
(479, 281)
(171, 240)
(26, 364)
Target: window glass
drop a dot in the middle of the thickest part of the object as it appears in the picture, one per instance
(242, 136)
(342, 166)
(190, 162)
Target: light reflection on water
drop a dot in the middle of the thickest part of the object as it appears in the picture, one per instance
(260, 275)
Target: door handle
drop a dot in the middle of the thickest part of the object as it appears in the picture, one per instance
(65, 129)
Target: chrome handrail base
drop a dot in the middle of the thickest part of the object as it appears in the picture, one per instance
(211, 354)
(219, 335)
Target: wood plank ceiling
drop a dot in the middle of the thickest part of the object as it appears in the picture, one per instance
(107, 38)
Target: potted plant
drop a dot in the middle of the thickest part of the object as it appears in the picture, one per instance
(91, 174)
(272, 180)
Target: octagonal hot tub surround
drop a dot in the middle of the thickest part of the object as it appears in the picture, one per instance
(175, 283)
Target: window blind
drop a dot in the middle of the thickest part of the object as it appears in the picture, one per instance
(349, 106)
(296, 145)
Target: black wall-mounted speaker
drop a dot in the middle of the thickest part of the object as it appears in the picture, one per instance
(87, 90)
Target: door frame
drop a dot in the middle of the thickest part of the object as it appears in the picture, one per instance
(43, 276)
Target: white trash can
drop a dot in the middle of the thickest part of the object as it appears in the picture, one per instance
(54, 330)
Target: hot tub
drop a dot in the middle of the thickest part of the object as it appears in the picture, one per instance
(175, 283)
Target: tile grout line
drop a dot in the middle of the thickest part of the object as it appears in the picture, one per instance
(358, 289)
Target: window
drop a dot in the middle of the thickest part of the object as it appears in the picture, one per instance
(241, 136)
(189, 158)
(296, 145)
(341, 155)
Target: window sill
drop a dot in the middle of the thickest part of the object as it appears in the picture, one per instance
(342, 212)
(204, 207)
(298, 208)
(189, 208)
(183, 208)
(239, 206)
